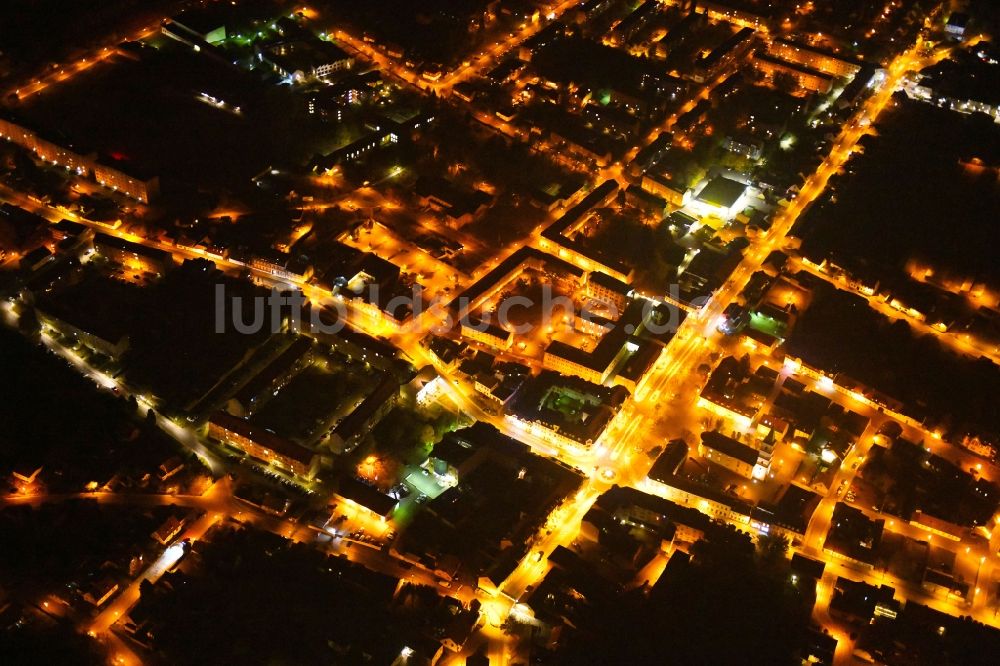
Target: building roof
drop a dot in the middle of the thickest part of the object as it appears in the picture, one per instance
(354, 422)
(140, 172)
(275, 370)
(151, 253)
(858, 598)
(361, 493)
(708, 493)
(744, 35)
(596, 197)
(457, 200)
(508, 268)
(854, 535)
(722, 192)
(729, 446)
(641, 360)
(304, 55)
(647, 198)
(791, 512)
(488, 328)
(36, 255)
(826, 53)
(69, 228)
(958, 19)
(599, 359)
(202, 20)
(621, 496)
(103, 324)
(668, 462)
(533, 403)
(807, 566)
(610, 283)
(785, 64)
(453, 450)
(263, 437)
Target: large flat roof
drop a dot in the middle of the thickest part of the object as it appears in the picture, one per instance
(365, 495)
(721, 191)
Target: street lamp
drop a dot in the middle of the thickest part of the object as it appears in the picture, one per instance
(978, 571)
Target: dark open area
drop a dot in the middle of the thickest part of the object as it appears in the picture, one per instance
(841, 334)
(94, 436)
(146, 110)
(909, 197)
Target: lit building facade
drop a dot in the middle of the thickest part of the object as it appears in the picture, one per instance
(806, 78)
(813, 58)
(143, 189)
(263, 446)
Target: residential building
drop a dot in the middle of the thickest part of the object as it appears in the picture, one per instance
(363, 496)
(745, 146)
(672, 191)
(728, 452)
(566, 411)
(263, 445)
(283, 266)
(609, 290)
(635, 508)
(207, 24)
(857, 601)
(95, 332)
(271, 379)
(169, 530)
(35, 259)
(645, 201)
(133, 256)
(122, 178)
(815, 58)
(724, 56)
(50, 149)
(349, 432)
(668, 464)
(807, 78)
(508, 270)
(303, 59)
(721, 11)
(717, 504)
(127, 180)
(594, 366)
(853, 536)
(558, 240)
(100, 591)
(487, 333)
(955, 27)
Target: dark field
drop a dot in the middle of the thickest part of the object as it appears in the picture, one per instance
(886, 214)
(146, 110)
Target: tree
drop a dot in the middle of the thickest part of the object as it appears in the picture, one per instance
(771, 549)
(513, 627)
(724, 609)
(785, 82)
(28, 324)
